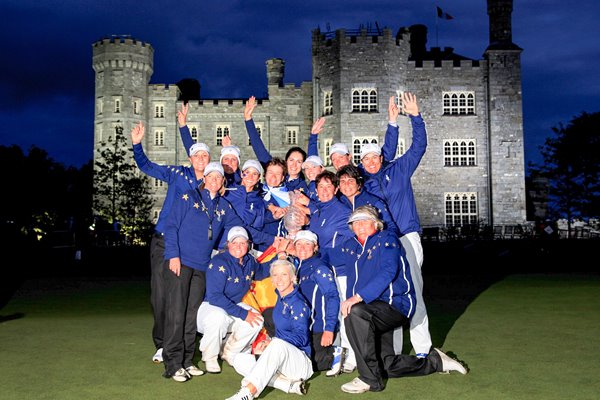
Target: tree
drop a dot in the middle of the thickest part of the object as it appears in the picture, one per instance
(572, 167)
(121, 195)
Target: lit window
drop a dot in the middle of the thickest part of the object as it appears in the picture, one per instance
(459, 152)
(99, 105)
(401, 147)
(461, 209)
(194, 134)
(458, 103)
(220, 133)
(159, 111)
(137, 106)
(327, 151)
(364, 100)
(327, 103)
(292, 134)
(117, 105)
(158, 183)
(159, 137)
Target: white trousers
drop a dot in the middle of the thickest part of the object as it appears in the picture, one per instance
(214, 323)
(420, 337)
(279, 359)
(350, 360)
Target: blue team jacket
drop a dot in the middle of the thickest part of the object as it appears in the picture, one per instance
(291, 317)
(227, 281)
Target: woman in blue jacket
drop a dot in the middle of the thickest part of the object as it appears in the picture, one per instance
(228, 279)
(198, 221)
(380, 297)
(284, 362)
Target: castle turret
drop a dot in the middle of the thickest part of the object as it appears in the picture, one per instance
(505, 118)
(275, 71)
(500, 15)
(123, 69)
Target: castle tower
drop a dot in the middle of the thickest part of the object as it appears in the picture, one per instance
(123, 68)
(275, 72)
(505, 119)
(354, 74)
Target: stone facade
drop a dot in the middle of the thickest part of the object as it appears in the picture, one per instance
(354, 74)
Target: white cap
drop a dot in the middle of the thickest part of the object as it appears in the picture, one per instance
(196, 147)
(314, 160)
(361, 216)
(235, 232)
(212, 167)
(369, 148)
(339, 148)
(306, 235)
(230, 150)
(253, 164)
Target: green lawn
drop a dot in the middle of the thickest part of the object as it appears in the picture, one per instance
(525, 337)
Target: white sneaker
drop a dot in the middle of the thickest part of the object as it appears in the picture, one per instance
(194, 371)
(212, 366)
(338, 360)
(450, 364)
(181, 375)
(242, 394)
(355, 386)
(157, 358)
(298, 387)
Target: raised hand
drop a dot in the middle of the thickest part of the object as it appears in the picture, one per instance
(317, 126)
(137, 133)
(409, 104)
(226, 140)
(249, 109)
(182, 114)
(393, 110)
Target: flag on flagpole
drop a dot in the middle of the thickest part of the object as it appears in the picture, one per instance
(443, 15)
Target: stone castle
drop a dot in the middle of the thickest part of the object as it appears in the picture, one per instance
(473, 170)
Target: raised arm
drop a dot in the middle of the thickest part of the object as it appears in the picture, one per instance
(390, 144)
(313, 148)
(184, 131)
(154, 170)
(262, 154)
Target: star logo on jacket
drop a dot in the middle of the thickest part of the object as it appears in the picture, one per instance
(196, 205)
(210, 266)
(185, 197)
(236, 280)
(247, 277)
(222, 269)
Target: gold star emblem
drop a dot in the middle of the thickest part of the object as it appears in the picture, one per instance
(236, 280)
(228, 278)
(221, 269)
(196, 205)
(296, 318)
(185, 197)
(247, 277)
(301, 315)
(210, 266)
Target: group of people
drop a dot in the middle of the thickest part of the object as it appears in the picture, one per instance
(347, 274)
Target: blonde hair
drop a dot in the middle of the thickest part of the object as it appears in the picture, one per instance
(283, 263)
(372, 212)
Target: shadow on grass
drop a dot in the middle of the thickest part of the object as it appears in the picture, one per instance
(11, 317)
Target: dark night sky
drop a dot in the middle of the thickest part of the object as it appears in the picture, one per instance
(46, 78)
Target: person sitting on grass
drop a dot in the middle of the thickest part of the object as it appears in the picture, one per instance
(284, 361)
(228, 278)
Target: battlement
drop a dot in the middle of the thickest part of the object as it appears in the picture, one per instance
(121, 40)
(216, 103)
(163, 90)
(443, 64)
(358, 36)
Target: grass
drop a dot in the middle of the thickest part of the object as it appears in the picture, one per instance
(523, 337)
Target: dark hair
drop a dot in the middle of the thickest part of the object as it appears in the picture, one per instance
(352, 172)
(276, 161)
(328, 175)
(295, 149)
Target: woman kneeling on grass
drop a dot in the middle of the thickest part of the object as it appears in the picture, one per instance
(380, 297)
(285, 360)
